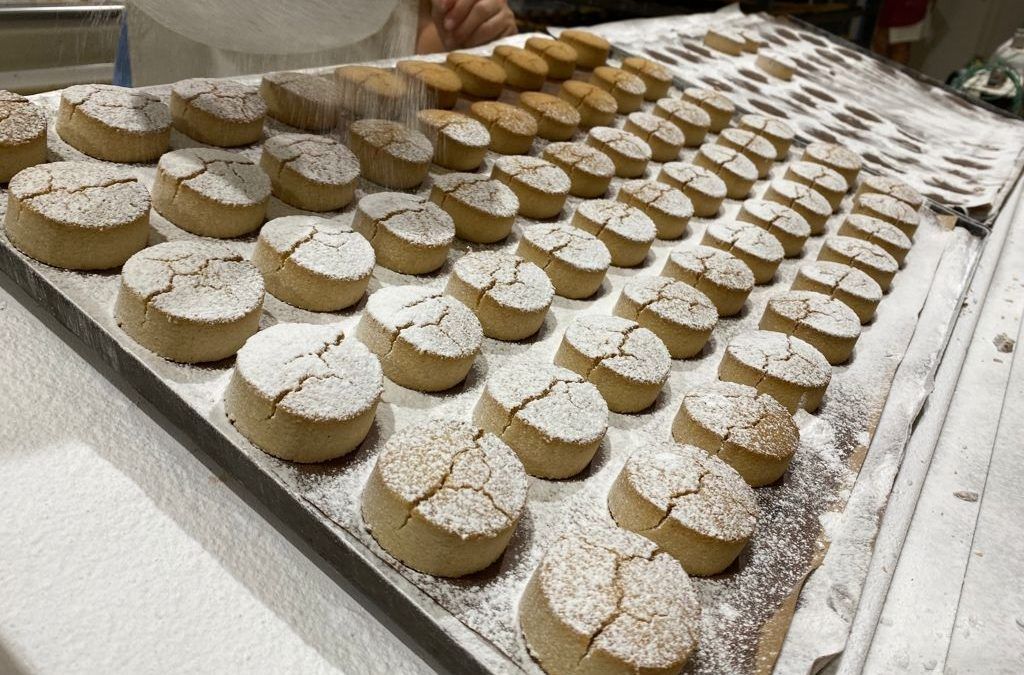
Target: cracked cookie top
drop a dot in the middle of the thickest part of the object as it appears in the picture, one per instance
(453, 126)
(680, 112)
(771, 127)
(781, 357)
(815, 311)
(311, 371)
(877, 231)
(834, 156)
(126, 110)
(455, 476)
(195, 281)
(725, 158)
(889, 209)
(619, 218)
(748, 143)
(840, 278)
(622, 346)
(225, 177)
(776, 217)
(319, 159)
(21, 120)
(862, 253)
(622, 142)
(224, 99)
(533, 172)
(409, 217)
(570, 245)
(709, 98)
(480, 192)
(586, 159)
(790, 193)
(720, 267)
(504, 116)
(747, 238)
(82, 194)
(658, 196)
(427, 319)
(616, 78)
(647, 126)
(697, 178)
(549, 106)
(506, 279)
(583, 93)
(737, 415)
(324, 247)
(395, 139)
(672, 301)
(894, 188)
(818, 176)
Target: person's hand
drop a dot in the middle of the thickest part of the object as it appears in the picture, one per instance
(469, 23)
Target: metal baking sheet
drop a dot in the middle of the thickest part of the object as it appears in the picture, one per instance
(470, 624)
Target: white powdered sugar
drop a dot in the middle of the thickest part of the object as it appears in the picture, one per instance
(818, 176)
(696, 178)
(774, 216)
(311, 371)
(580, 157)
(570, 245)
(455, 127)
(534, 172)
(658, 196)
(622, 346)
(409, 217)
(746, 238)
(427, 319)
(622, 142)
(893, 188)
(395, 139)
(648, 126)
(224, 99)
(816, 311)
(683, 112)
(82, 194)
(739, 415)
(721, 268)
(506, 279)
(318, 159)
(194, 281)
(782, 357)
(833, 155)
(225, 177)
(324, 247)
(129, 111)
(673, 301)
(480, 192)
(21, 120)
(619, 218)
(726, 159)
(709, 98)
(842, 279)
(455, 476)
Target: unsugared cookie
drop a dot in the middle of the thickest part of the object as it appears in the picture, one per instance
(512, 129)
(823, 180)
(590, 171)
(313, 173)
(737, 172)
(22, 134)
(726, 41)
(627, 363)
(304, 393)
(719, 108)
(575, 261)
(655, 76)
(540, 186)
(628, 152)
(889, 209)
(869, 258)
(409, 234)
(724, 278)
(792, 371)
(556, 119)
(757, 149)
(430, 85)
(390, 154)
(757, 247)
(591, 49)
(77, 215)
(860, 292)
(189, 301)
(301, 100)
(114, 123)
(752, 41)
(785, 224)
(776, 65)
(481, 77)
(551, 417)
(523, 68)
(777, 132)
(367, 91)
(691, 119)
(218, 112)
(595, 106)
(835, 157)
(705, 190)
(460, 142)
(678, 313)
(626, 88)
(444, 497)
(892, 187)
(805, 200)
(426, 340)
(751, 432)
(560, 56)
(664, 137)
(668, 207)
(886, 235)
(625, 230)
(313, 263)
(693, 505)
(509, 295)
(483, 209)
(823, 322)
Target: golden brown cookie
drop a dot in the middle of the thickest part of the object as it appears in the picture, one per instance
(218, 112)
(792, 371)
(367, 91)
(431, 85)
(705, 190)
(595, 106)
(512, 129)
(114, 123)
(691, 119)
(556, 119)
(460, 142)
(626, 88)
(523, 68)
(22, 134)
(482, 209)
(720, 275)
(625, 230)
(667, 206)
(675, 311)
(719, 108)
(778, 133)
(409, 234)
(390, 154)
(655, 76)
(860, 292)
(628, 152)
(591, 49)
(822, 321)
(480, 76)
(575, 261)
(590, 171)
(560, 56)
(540, 185)
(314, 173)
(664, 137)
(302, 101)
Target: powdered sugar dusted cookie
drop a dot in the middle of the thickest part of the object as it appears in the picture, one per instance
(590, 171)
(823, 322)
(820, 178)
(512, 129)
(626, 88)
(845, 162)
(303, 392)
(560, 57)
(889, 209)
(114, 123)
(720, 275)
(218, 112)
(891, 187)
(524, 69)
(482, 209)
(806, 201)
(726, 41)
(460, 142)
(886, 235)
(628, 152)
(676, 312)
(705, 190)
(624, 229)
(390, 154)
(409, 234)
(865, 256)
(595, 105)
(860, 292)
(22, 134)
(777, 132)
(664, 137)
(556, 119)
(785, 224)
(752, 146)
(656, 77)
(314, 173)
(301, 100)
(667, 207)
(792, 371)
(433, 85)
(738, 172)
(575, 261)
(368, 91)
(691, 119)
(540, 186)
(591, 49)
(718, 107)
(758, 248)
(481, 77)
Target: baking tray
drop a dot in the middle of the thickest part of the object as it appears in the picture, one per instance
(469, 625)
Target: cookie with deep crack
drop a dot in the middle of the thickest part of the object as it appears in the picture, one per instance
(409, 234)
(560, 57)
(481, 77)
(886, 235)
(676, 312)
(737, 172)
(720, 275)
(860, 292)
(303, 392)
(218, 112)
(822, 321)
(846, 162)
(512, 129)
(483, 209)
(755, 246)
(444, 497)
(777, 132)
(301, 100)
(757, 149)
(114, 123)
(625, 230)
(575, 261)
(595, 106)
(460, 142)
(718, 107)
(523, 68)
(891, 187)
(390, 154)
(785, 224)
(591, 49)
(556, 119)
(590, 171)
(656, 77)
(313, 173)
(628, 152)
(705, 190)
(626, 88)
(805, 200)
(691, 119)
(664, 137)
(540, 186)
(791, 370)
(889, 209)
(667, 207)
(820, 178)
(869, 258)
(22, 134)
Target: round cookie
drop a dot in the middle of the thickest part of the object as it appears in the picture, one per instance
(303, 393)
(313, 173)
(664, 137)
(552, 418)
(409, 234)
(889, 209)
(482, 209)
(540, 186)
(560, 57)
(590, 171)
(595, 106)
(886, 235)
(390, 154)
(705, 190)
(301, 100)
(719, 108)
(444, 497)
(523, 68)
(823, 180)
(625, 230)
(626, 88)
(737, 172)
(693, 505)
(806, 201)
(752, 41)
(627, 363)
(751, 432)
(556, 119)
(608, 601)
(792, 371)
(667, 207)
(856, 289)
(367, 91)
(726, 41)
(785, 224)
(22, 134)
(777, 132)
(890, 186)
(509, 296)
(218, 112)
(211, 192)
(430, 85)
(426, 340)
(863, 255)
(676, 312)
(591, 49)
(313, 263)
(629, 153)
(460, 142)
(114, 123)
(823, 322)
(758, 150)
(189, 301)
(655, 76)
(77, 215)
(512, 129)
(691, 119)
(836, 157)
(481, 77)
(776, 65)
(722, 277)
(574, 260)
(757, 247)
